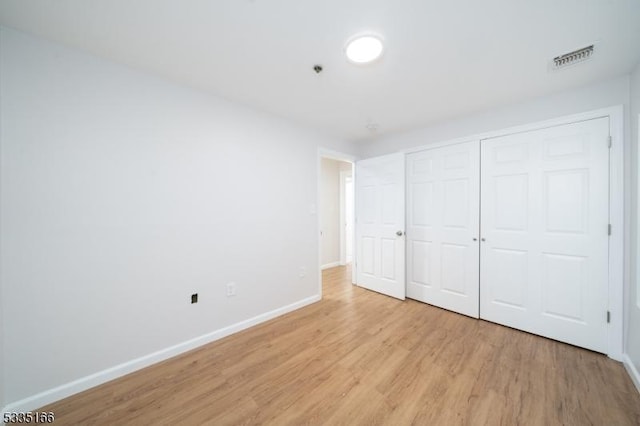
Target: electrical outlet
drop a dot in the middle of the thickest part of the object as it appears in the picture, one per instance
(194, 298)
(231, 289)
(303, 272)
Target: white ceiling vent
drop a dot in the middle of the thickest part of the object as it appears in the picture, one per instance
(572, 58)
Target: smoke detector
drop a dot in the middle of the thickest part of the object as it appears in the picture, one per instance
(371, 126)
(572, 58)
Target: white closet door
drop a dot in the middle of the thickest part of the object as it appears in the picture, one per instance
(443, 226)
(544, 212)
(380, 203)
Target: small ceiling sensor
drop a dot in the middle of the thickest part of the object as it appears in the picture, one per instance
(317, 68)
(372, 127)
(364, 49)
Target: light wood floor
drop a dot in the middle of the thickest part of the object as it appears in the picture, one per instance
(358, 357)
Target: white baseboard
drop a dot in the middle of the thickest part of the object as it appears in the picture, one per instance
(47, 397)
(632, 370)
(330, 265)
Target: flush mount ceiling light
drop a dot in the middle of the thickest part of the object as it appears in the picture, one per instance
(364, 49)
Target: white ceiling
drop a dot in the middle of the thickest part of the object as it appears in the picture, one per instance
(442, 58)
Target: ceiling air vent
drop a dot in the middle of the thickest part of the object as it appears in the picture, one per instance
(572, 58)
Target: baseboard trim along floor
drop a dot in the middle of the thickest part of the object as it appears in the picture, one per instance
(84, 383)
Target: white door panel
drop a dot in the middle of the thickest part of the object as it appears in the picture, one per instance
(380, 202)
(443, 221)
(544, 255)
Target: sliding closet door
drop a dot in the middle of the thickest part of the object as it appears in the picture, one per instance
(544, 250)
(442, 229)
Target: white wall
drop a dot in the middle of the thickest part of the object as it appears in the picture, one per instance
(3, 399)
(2, 318)
(122, 194)
(605, 94)
(633, 334)
(2, 368)
(330, 209)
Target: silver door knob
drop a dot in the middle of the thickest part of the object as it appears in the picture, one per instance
(475, 239)
(483, 239)
(399, 233)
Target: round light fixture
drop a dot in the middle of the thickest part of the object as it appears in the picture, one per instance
(364, 49)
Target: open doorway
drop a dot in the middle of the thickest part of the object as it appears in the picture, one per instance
(336, 220)
(346, 217)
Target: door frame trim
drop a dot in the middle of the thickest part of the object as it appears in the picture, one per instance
(616, 285)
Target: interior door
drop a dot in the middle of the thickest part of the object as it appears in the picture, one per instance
(443, 226)
(380, 202)
(544, 249)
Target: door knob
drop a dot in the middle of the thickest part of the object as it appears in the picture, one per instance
(483, 239)
(399, 233)
(475, 239)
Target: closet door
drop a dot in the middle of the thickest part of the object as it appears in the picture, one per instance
(442, 229)
(544, 249)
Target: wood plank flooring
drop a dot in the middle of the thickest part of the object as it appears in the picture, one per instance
(358, 357)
